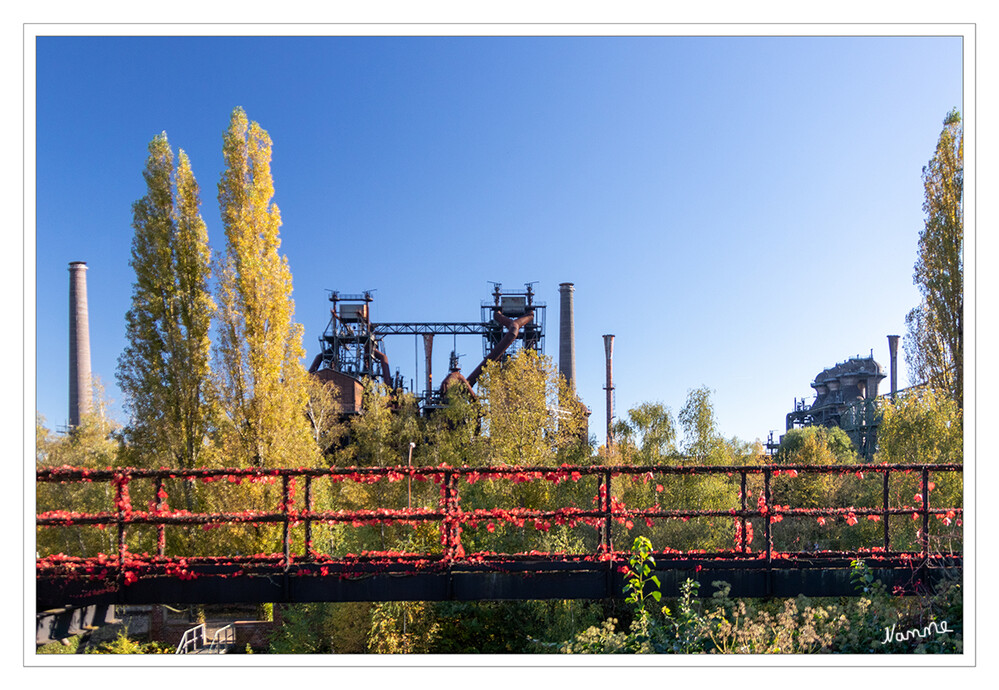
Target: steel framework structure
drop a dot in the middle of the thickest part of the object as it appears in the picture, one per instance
(353, 344)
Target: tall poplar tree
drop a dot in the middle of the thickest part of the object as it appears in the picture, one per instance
(164, 368)
(935, 343)
(261, 382)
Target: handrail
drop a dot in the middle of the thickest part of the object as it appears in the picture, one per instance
(67, 473)
(193, 640)
(224, 638)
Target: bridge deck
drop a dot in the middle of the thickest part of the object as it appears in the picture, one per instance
(507, 579)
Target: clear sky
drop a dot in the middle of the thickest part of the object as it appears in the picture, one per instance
(739, 212)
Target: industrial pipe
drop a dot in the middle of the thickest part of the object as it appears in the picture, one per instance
(455, 378)
(513, 329)
(386, 372)
(428, 347)
(314, 367)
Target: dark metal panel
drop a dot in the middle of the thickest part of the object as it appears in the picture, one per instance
(415, 587)
(207, 589)
(528, 586)
(472, 585)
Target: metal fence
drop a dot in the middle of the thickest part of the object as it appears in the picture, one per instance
(449, 513)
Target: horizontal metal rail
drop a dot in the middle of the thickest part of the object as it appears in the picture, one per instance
(69, 474)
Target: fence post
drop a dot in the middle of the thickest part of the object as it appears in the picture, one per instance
(286, 536)
(767, 535)
(160, 528)
(308, 518)
(926, 512)
(454, 508)
(742, 532)
(884, 515)
(446, 524)
(124, 507)
(608, 544)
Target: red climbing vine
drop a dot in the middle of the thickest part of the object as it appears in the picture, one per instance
(606, 510)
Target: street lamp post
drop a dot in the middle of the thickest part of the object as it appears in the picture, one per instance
(409, 506)
(409, 478)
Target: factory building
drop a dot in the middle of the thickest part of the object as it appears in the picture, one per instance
(352, 348)
(845, 396)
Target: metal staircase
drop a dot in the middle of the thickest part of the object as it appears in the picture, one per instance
(194, 641)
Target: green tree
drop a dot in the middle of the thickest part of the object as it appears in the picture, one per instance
(920, 426)
(452, 433)
(324, 413)
(123, 644)
(816, 445)
(380, 435)
(164, 369)
(261, 382)
(322, 628)
(402, 627)
(504, 627)
(530, 416)
(648, 435)
(935, 342)
(700, 428)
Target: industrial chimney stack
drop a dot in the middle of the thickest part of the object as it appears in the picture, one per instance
(79, 344)
(566, 336)
(609, 349)
(893, 352)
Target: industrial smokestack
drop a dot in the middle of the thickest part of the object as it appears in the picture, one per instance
(566, 336)
(428, 346)
(79, 344)
(609, 349)
(893, 351)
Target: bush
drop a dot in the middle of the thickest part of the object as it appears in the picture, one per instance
(123, 644)
(874, 622)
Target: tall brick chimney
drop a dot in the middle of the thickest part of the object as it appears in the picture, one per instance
(80, 392)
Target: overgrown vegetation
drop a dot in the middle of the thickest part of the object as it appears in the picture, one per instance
(123, 644)
(875, 622)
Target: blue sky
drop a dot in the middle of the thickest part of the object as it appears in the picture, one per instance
(741, 212)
